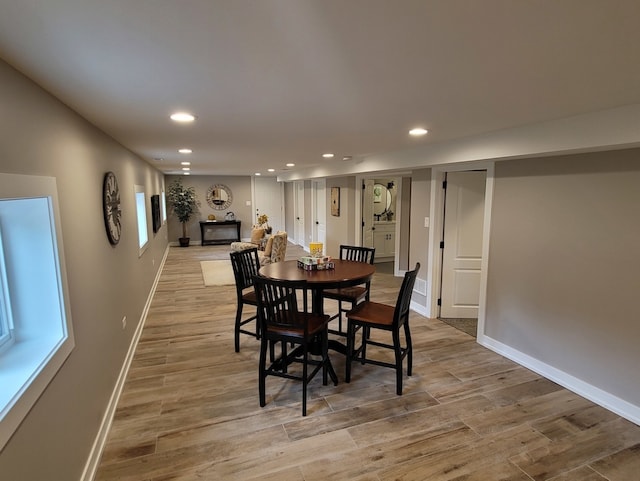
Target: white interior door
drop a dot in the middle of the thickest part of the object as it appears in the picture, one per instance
(462, 254)
(367, 213)
(298, 212)
(319, 211)
(268, 199)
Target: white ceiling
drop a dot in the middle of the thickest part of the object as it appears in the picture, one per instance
(277, 81)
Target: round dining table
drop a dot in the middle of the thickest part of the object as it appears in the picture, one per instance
(345, 274)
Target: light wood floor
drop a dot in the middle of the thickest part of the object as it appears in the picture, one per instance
(189, 409)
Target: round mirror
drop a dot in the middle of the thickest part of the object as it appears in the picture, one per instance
(219, 197)
(381, 199)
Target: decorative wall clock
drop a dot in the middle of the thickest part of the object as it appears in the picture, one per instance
(111, 207)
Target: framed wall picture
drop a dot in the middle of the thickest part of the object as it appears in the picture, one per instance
(155, 212)
(335, 201)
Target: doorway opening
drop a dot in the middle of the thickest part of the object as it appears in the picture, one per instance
(458, 246)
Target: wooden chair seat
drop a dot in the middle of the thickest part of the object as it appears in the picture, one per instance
(373, 314)
(348, 294)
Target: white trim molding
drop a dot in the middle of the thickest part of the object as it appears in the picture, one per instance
(574, 384)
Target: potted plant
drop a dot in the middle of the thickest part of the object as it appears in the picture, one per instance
(263, 222)
(183, 203)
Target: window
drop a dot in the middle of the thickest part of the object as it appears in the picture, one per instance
(141, 210)
(6, 322)
(163, 207)
(35, 318)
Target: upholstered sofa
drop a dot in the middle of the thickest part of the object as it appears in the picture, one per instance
(275, 247)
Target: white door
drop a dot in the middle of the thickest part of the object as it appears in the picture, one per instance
(462, 254)
(298, 212)
(268, 199)
(319, 210)
(367, 213)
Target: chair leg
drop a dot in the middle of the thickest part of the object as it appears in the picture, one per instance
(350, 341)
(366, 333)
(409, 351)
(325, 357)
(304, 380)
(398, 355)
(262, 376)
(237, 329)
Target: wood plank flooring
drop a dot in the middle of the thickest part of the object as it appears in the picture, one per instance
(190, 411)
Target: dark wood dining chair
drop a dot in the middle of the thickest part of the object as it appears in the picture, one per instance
(285, 318)
(350, 295)
(245, 265)
(370, 315)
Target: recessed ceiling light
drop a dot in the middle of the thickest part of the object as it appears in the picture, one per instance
(185, 151)
(327, 156)
(347, 157)
(418, 131)
(271, 170)
(186, 168)
(182, 117)
(291, 165)
(187, 173)
(185, 163)
(258, 173)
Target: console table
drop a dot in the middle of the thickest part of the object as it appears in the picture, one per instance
(219, 231)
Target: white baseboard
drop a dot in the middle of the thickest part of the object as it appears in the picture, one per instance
(608, 401)
(419, 308)
(98, 445)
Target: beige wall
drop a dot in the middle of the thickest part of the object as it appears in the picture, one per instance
(41, 136)
(340, 230)
(240, 187)
(418, 233)
(563, 269)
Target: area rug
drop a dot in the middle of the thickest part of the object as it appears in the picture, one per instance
(469, 326)
(217, 273)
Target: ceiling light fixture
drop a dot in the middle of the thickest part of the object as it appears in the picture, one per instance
(258, 173)
(418, 132)
(347, 157)
(271, 170)
(291, 165)
(185, 163)
(186, 168)
(185, 151)
(328, 156)
(182, 117)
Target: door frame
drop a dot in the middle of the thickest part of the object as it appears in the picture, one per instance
(397, 178)
(298, 204)
(315, 218)
(434, 255)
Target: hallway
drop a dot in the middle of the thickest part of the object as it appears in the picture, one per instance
(189, 409)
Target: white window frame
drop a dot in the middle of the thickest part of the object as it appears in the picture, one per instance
(141, 217)
(163, 206)
(6, 318)
(41, 342)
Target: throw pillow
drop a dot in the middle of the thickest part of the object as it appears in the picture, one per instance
(269, 246)
(256, 235)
